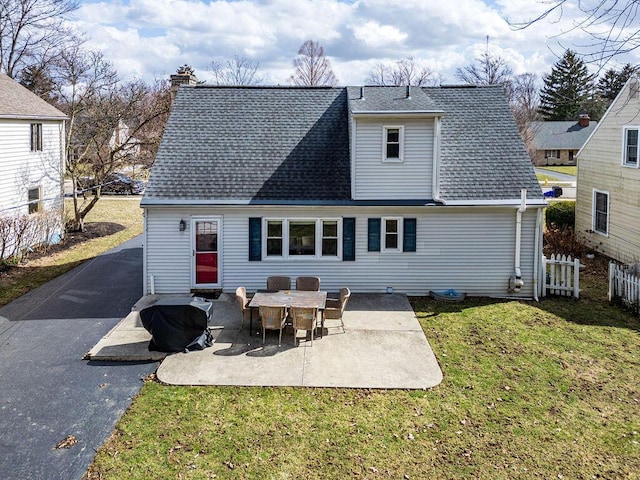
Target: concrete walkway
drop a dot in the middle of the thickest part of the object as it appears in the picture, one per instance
(382, 346)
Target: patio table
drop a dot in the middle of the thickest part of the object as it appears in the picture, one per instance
(290, 298)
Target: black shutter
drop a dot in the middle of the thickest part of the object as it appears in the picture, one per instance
(409, 235)
(373, 243)
(348, 239)
(255, 239)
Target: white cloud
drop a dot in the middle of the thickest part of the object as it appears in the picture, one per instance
(153, 37)
(374, 35)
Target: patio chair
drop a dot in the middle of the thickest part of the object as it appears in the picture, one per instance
(278, 283)
(273, 318)
(334, 309)
(243, 301)
(304, 318)
(308, 284)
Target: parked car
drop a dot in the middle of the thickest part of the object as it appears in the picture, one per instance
(114, 184)
(119, 183)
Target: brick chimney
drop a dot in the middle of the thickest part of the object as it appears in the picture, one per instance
(583, 119)
(183, 76)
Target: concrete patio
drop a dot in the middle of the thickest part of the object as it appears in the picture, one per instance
(382, 346)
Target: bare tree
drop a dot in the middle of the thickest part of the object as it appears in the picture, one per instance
(96, 103)
(312, 67)
(524, 97)
(612, 25)
(239, 70)
(32, 32)
(486, 70)
(405, 71)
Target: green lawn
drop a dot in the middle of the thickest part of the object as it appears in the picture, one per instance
(545, 178)
(121, 215)
(569, 170)
(531, 390)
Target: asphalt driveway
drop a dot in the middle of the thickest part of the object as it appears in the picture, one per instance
(47, 392)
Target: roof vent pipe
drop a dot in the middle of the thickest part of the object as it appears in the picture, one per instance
(362, 92)
(408, 91)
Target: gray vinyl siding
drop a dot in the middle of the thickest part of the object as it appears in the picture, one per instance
(410, 179)
(469, 249)
(600, 167)
(21, 169)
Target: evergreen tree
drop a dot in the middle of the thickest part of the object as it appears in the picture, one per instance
(612, 81)
(567, 89)
(39, 81)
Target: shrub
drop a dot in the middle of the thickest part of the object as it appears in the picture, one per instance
(561, 214)
(564, 242)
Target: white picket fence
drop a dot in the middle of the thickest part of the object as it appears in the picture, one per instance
(560, 276)
(624, 285)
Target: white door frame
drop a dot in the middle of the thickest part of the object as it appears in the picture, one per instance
(207, 218)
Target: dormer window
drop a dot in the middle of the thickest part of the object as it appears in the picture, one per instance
(393, 144)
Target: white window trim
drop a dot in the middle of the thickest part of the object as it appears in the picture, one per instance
(625, 129)
(37, 202)
(593, 211)
(383, 233)
(38, 145)
(400, 158)
(265, 237)
(285, 239)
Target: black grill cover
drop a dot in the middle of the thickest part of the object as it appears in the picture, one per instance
(175, 322)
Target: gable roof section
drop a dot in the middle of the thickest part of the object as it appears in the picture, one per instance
(382, 100)
(266, 145)
(19, 102)
(482, 156)
(253, 144)
(567, 135)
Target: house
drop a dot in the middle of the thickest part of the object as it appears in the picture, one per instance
(377, 188)
(32, 139)
(122, 142)
(608, 183)
(557, 143)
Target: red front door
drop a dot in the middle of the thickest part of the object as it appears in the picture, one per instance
(206, 252)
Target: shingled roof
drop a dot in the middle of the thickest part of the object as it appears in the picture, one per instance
(256, 144)
(18, 102)
(374, 99)
(291, 144)
(560, 135)
(482, 156)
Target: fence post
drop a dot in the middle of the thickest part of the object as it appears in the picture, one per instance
(552, 271)
(543, 273)
(576, 278)
(610, 293)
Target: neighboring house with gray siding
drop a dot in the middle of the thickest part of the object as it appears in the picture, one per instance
(416, 189)
(608, 183)
(558, 143)
(32, 135)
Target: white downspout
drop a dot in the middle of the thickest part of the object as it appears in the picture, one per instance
(435, 180)
(536, 254)
(516, 283)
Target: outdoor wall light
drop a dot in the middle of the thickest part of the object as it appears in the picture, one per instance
(183, 225)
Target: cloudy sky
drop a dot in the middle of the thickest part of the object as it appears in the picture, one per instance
(151, 38)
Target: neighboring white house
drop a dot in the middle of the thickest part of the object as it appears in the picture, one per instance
(416, 189)
(32, 135)
(608, 183)
(121, 140)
